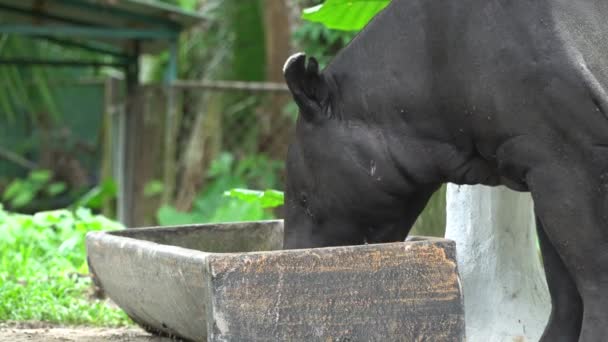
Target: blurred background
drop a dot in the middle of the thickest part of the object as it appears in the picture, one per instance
(160, 136)
(148, 111)
(130, 113)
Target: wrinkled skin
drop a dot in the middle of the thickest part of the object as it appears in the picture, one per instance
(492, 92)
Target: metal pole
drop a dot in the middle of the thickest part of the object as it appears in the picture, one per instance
(128, 139)
(169, 171)
(233, 85)
(69, 63)
(86, 31)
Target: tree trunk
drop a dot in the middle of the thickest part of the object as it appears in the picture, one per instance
(203, 146)
(295, 17)
(505, 292)
(276, 127)
(151, 105)
(173, 118)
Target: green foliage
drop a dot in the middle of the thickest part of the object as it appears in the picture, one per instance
(43, 268)
(321, 42)
(27, 91)
(189, 5)
(347, 15)
(218, 210)
(224, 174)
(95, 198)
(153, 188)
(55, 188)
(16, 96)
(228, 45)
(431, 221)
(21, 192)
(267, 199)
(249, 59)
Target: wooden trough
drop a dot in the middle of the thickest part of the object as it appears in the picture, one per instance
(231, 282)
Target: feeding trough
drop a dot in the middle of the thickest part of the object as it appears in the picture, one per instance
(231, 282)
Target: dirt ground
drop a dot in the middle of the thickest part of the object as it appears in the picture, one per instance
(39, 332)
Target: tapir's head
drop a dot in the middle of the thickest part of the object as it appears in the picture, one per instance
(343, 187)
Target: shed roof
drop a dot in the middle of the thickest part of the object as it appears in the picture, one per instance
(117, 23)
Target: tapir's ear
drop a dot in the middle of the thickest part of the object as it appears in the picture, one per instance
(307, 86)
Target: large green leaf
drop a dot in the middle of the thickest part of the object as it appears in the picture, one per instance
(346, 15)
(267, 199)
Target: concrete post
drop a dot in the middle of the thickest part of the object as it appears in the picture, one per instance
(505, 293)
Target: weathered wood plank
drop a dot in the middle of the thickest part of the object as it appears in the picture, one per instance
(391, 292)
(157, 275)
(200, 283)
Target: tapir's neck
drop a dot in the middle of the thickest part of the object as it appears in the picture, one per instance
(389, 80)
(386, 72)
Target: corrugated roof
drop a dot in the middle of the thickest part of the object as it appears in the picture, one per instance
(115, 22)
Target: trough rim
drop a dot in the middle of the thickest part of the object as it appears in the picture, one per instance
(112, 235)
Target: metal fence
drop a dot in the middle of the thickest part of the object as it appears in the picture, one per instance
(251, 117)
(179, 131)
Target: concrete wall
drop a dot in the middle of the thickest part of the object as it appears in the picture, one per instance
(505, 293)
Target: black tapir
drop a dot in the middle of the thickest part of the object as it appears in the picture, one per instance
(494, 92)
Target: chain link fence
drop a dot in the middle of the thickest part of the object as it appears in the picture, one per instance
(242, 118)
(199, 136)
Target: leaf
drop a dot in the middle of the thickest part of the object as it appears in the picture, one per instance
(84, 213)
(267, 199)
(69, 244)
(40, 176)
(244, 194)
(22, 199)
(95, 197)
(272, 199)
(13, 189)
(346, 15)
(221, 165)
(235, 211)
(153, 187)
(56, 188)
(189, 5)
(169, 216)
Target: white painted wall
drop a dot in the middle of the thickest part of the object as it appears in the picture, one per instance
(505, 293)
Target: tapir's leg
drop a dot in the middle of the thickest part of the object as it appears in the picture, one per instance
(571, 203)
(567, 307)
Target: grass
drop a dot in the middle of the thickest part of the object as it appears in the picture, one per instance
(43, 270)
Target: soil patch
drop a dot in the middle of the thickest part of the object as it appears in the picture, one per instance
(41, 331)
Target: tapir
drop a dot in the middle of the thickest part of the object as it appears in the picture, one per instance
(492, 92)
